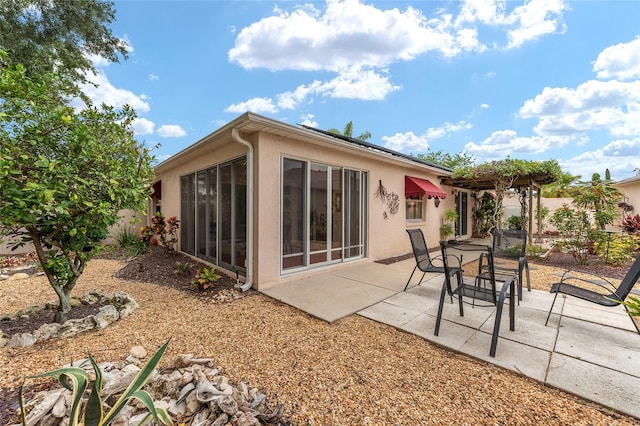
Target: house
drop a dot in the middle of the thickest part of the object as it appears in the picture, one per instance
(273, 202)
(630, 189)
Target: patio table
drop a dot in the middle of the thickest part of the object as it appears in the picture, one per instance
(483, 288)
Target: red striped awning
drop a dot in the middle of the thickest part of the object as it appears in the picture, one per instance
(416, 187)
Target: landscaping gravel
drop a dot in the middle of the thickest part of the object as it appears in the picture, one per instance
(351, 372)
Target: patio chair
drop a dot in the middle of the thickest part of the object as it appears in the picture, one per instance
(478, 291)
(509, 245)
(610, 295)
(424, 262)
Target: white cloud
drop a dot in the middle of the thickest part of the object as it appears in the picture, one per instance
(308, 120)
(408, 142)
(171, 131)
(142, 126)
(357, 41)
(352, 83)
(345, 34)
(621, 157)
(535, 19)
(503, 143)
(102, 91)
(358, 83)
(523, 23)
(153, 77)
(621, 61)
(257, 105)
(609, 105)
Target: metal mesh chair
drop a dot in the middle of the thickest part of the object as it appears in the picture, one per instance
(610, 295)
(509, 245)
(424, 262)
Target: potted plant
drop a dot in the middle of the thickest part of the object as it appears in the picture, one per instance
(448, 226)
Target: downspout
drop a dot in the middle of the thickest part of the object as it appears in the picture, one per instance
(235, 134)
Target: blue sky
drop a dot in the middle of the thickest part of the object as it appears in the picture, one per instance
(536, 80)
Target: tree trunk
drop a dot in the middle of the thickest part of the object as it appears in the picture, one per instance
(64, 307)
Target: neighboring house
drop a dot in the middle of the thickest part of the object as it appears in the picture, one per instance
(274, 202)
(630, 187)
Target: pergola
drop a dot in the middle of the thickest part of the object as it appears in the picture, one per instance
(498, 183)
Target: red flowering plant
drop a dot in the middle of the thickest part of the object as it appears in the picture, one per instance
(146, 233)
(166, 230)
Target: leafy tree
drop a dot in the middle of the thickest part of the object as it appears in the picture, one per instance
(64, 175)
(561, 188)
(48, 35)
(450, 161)
(599, 196)
(348, 132)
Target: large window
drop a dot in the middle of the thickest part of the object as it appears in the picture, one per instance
(214, 214)
(323, 214)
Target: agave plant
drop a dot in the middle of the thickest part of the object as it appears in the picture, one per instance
(77, 380)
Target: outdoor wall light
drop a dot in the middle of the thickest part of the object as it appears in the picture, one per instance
(436, 201)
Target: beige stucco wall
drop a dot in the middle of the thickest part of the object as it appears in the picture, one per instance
(386, 237)
(631, 191)
(127, 219)
(553, 204)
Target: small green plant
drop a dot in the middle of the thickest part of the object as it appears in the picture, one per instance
(205, 278)
(535, 251)
(512, 251)
(183, 268)
(129, 240)
(448, 227)
(633, 304)
(146, 233)
(126, 237)
(76, 380)
(515, 223)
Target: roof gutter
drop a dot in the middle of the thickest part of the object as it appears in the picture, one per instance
(235, 134)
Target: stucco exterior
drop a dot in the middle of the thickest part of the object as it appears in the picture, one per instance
(271, 141)
(631, 189)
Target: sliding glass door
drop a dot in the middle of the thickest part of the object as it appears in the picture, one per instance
(214, 214)
(323, 214)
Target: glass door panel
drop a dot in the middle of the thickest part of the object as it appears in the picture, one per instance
(201, 214)
(187, 213)
(318, 213)
(240, 209)
(224, 220)
(352, 214)
(293, 216)
(212, 213)
(336, 213)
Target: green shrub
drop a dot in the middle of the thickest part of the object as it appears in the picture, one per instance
(205, 278)
(126, 237)
(576, 231)
(515, 223)
(534, 251)
(129, 240)
(618, 250)
(76, 380)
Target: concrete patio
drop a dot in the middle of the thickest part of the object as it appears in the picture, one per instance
(591, 351)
